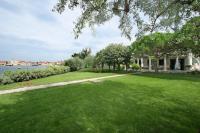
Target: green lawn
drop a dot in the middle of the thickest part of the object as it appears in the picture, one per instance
(53, 79)
(147, 103)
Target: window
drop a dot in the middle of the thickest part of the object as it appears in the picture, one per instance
(161, 62)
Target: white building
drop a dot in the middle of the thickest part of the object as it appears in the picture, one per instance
(170, 62)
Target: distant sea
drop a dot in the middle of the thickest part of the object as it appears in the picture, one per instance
(14, 68)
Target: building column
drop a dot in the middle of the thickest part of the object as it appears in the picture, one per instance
(177, 64)
(134, 62)
(190, 58)
(149, 63)
(165, 62)
(142, 63)
(125, 67)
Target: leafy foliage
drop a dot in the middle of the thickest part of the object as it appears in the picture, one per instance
(22, 75)
(74, 63)
(188, 37)
(89, 61)
(157, 44)
(80, 60)
(135, 67)
(114, 55)
(100, 59)
(1, 79)
(83, 54)
(152, 45)
(6, 80)
(159, 14)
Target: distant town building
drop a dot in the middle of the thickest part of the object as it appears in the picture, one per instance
(59, 63)
(29, 63)
(3, 63)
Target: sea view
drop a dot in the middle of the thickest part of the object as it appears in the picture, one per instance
(14, 68)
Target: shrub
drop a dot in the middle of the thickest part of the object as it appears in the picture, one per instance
(135, 67)
(74, 63)
(22, 75)
(1, 79)
(6, 80)
(7, 73)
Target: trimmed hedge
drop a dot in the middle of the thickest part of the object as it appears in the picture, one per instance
(26, 75)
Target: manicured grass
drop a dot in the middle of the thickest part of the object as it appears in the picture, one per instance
(147, 103)
(53, 79)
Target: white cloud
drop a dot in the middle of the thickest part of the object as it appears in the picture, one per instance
(35, 20)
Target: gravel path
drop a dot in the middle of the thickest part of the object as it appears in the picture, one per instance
(56, 84)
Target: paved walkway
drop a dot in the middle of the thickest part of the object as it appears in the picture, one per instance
(56, 84)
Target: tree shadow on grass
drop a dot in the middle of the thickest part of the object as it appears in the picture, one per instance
(172, 76)
(107, 106)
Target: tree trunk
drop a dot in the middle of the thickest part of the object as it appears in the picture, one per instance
(109, 66)
(156, 65)
(102, 66)
(126, 66)
(118, 66)
(114, 66)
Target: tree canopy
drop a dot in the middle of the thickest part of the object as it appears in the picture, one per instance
(188, 37)
(153, 45)
(83, 54)
(74, 63)
(147, 15)
(114, 55)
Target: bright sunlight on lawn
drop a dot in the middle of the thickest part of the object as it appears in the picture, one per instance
(146, 103)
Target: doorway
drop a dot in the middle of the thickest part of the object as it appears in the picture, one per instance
(172, 64)
(182, 64)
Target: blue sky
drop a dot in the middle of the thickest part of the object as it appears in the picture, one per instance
(29, 30)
